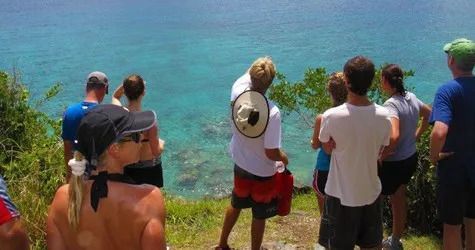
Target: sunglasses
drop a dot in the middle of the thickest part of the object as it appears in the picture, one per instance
(135, 137)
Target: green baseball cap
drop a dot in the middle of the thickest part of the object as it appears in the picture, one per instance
(461, 49)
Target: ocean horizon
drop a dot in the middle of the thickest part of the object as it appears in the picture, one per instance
(191, 52)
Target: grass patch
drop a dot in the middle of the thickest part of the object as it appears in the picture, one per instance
(197, 225)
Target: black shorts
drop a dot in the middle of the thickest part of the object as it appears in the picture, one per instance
(393, 174)
(319, 181)
(152, 175)
(256, 192)
(455, 199)
(344, 227)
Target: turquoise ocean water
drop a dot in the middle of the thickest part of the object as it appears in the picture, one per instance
(191, 51)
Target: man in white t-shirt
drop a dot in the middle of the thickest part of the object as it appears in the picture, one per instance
(354, 132)
(254, 160)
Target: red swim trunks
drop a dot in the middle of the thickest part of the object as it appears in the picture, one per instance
(8, 211)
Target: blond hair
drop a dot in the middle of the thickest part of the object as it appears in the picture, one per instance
(76, 190)
(337, 88)
(262, 72)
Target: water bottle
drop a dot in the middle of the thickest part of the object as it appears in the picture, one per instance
(279, 166)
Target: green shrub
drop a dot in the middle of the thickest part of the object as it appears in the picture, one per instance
(31, 159)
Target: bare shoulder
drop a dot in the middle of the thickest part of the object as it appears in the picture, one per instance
(62, 194)
(146, 199)
(152, 201)
(60, 202)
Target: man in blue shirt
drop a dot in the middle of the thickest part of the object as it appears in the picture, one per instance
(453, 144)
(97, 86)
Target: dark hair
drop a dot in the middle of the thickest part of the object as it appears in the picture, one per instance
(94, 83)
(133, 87)
(394, 75)
(359, 73)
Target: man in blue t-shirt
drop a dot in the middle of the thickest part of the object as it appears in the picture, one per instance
(97, 86)
(453, 144)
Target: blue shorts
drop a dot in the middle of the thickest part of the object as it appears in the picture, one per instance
(8, 211)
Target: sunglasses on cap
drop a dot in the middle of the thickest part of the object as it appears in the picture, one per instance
(95, 80)
(135, 137)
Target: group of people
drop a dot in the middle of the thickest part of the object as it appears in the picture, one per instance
(397, 162)
(366, 152)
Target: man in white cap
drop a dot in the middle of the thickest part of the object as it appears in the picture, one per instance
(97, 86)
(453, 144)
(255, 148)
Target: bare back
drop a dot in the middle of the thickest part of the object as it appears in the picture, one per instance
(145, 149)
(151, 146)
(122, 220)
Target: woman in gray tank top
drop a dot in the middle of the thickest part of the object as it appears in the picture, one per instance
(399, 159)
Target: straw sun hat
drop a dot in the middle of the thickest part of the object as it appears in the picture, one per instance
(250, 113)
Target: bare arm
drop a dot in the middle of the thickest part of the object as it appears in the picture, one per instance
(153, 235)
(424, 113)
(327, 142)
(117, 95)
(329, 146)
(161, 145)
(276, 154)
(156, 145)
(393, 140)
(13, 235)
(315, 142)
(68, 155)
(437, 140)
(54, 240)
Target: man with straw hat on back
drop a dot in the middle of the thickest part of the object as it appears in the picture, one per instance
(255, 148)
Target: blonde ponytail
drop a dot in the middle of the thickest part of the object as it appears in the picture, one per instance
(76, 188)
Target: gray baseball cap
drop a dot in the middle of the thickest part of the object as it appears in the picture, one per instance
(97, 77)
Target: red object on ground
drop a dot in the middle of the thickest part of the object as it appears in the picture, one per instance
(285, 185)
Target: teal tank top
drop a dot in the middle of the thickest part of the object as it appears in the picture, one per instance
(323, 161)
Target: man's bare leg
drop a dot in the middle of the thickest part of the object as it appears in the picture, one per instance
(469, 234)
(257, 233)
(452, 237)
(232, 214)
(13, 236)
